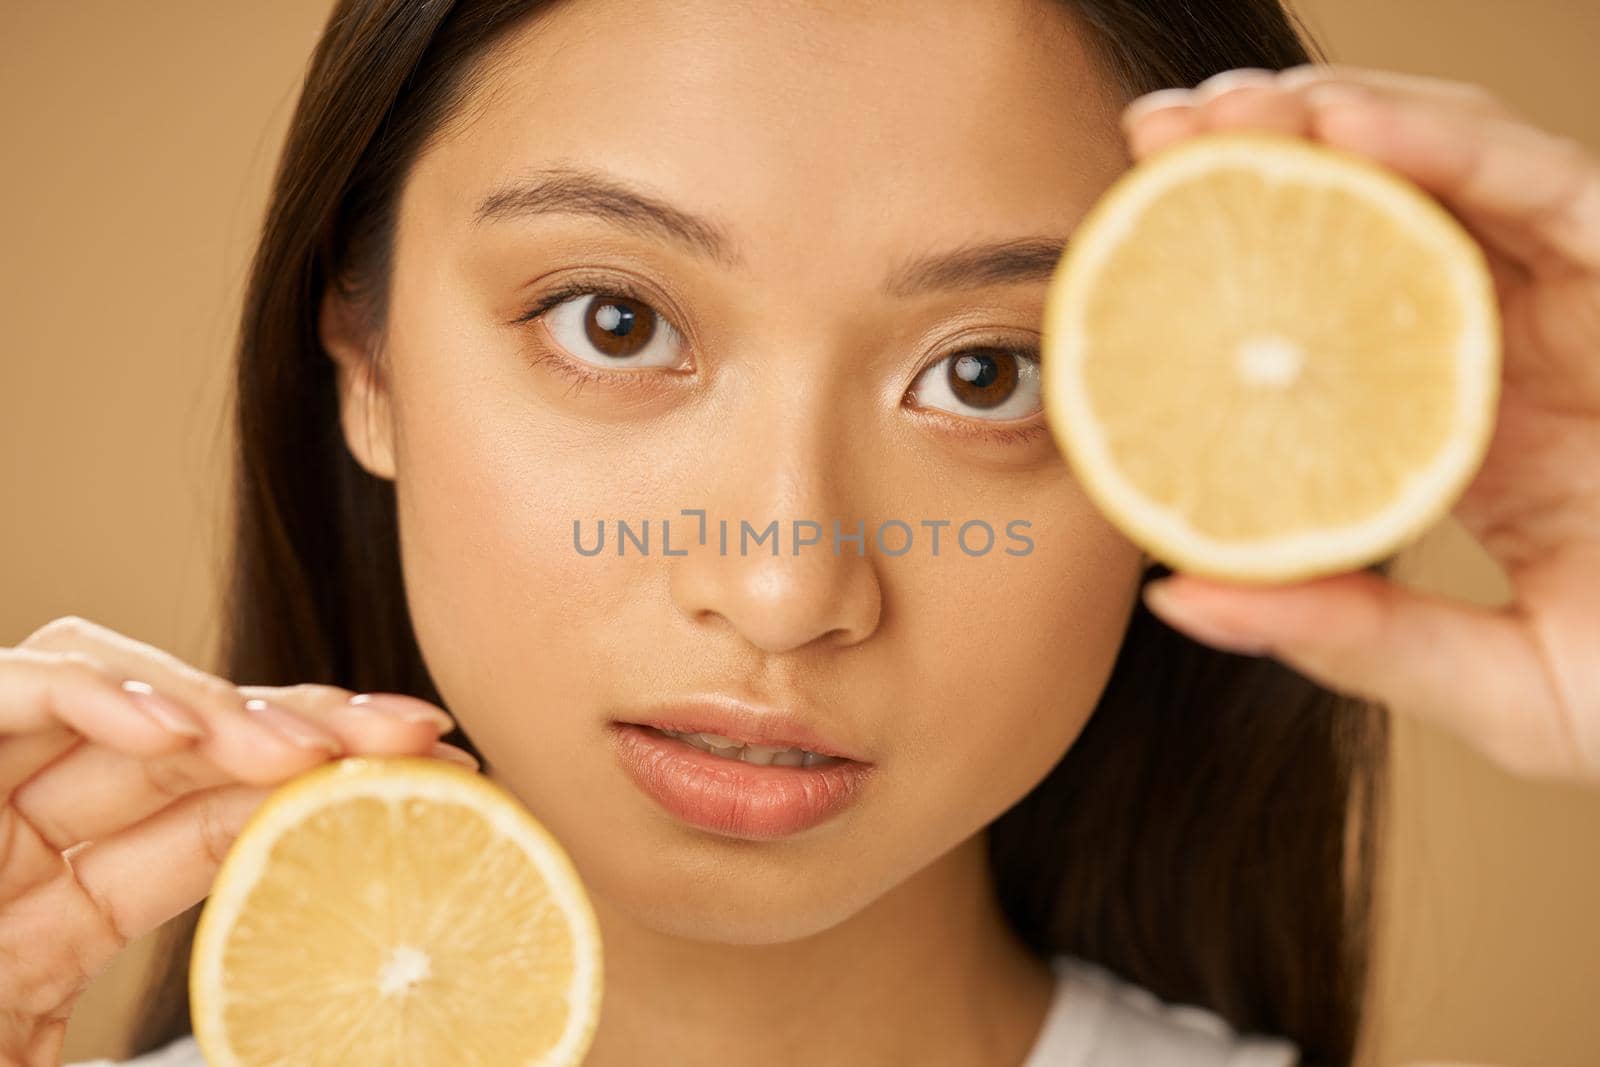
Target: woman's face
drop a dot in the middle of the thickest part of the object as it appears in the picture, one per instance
(784, 354)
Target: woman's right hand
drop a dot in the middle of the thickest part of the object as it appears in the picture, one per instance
(121, 800)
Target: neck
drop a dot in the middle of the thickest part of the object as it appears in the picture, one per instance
(929, 973)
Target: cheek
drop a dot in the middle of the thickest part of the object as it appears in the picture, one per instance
(1019, 656)
(500, 599)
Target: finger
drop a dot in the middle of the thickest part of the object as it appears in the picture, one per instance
(126, 885)
(97, 790)
(1455, 139)
(255, 742)
(375, 722)
(1261, 108)
(246, 741)
(1233, 100)
(1475, 671)
(456, 755)
(53, 704)
(1159, 120)
(1279, 101)
(1506, 250)
(1230, 96)
(1506, 244)
(1488, 169)
(1464, 96)
(47, 699)
(122, 887)
(1245, 98)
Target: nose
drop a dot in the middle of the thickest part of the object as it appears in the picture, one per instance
(767, 569)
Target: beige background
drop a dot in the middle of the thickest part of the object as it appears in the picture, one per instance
(139, 139)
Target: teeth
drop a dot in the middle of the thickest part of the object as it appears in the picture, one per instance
(761, 755)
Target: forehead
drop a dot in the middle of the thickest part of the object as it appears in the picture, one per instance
(799, 117)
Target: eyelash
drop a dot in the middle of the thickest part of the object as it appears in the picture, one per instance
(573, 371)
(581, 375)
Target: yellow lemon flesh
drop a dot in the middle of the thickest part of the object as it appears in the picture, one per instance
(394, 910)
(1269, 360)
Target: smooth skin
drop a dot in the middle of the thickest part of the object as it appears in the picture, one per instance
(872, 935)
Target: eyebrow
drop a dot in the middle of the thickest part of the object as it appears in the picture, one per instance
(576, 191)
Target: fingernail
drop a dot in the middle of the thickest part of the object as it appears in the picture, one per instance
(292, 727)
(1143, 105)
(407, 709)
(166, 713)
(1229, 80)
(1159, 598)
(455, 755)
(1333, 94)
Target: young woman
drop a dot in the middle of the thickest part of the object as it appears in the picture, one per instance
(527, 266)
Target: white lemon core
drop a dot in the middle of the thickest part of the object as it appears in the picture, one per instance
(1270, 361)
(405, 967)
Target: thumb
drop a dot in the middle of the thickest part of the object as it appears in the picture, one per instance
(1474, 670)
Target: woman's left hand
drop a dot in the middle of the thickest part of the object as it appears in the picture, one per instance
(1521, 683)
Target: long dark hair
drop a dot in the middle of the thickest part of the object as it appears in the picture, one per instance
(1211, 835)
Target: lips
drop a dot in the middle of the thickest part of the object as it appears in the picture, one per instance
(731, 797)
(726, 794)
(744, 724)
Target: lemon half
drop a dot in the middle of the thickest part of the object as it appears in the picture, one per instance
(1268, 360)
(394, 910)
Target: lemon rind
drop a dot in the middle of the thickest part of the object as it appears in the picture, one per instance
(1427, 496)
(418, 778)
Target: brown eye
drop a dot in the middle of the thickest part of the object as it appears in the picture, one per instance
(617, 326)
(610, 330)
(983, 378)
(990, 383)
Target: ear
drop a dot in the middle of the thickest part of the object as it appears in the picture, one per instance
(364, 408)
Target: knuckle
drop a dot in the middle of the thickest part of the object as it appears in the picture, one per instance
(310, 698)
(172, 778)
(71, 670)
(78, 660)
(59, 632)
(210, 691)
(216, 831)
(105, 916)
(64, 661)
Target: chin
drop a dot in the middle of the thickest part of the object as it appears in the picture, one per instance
(711, 901)
(744, 922)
